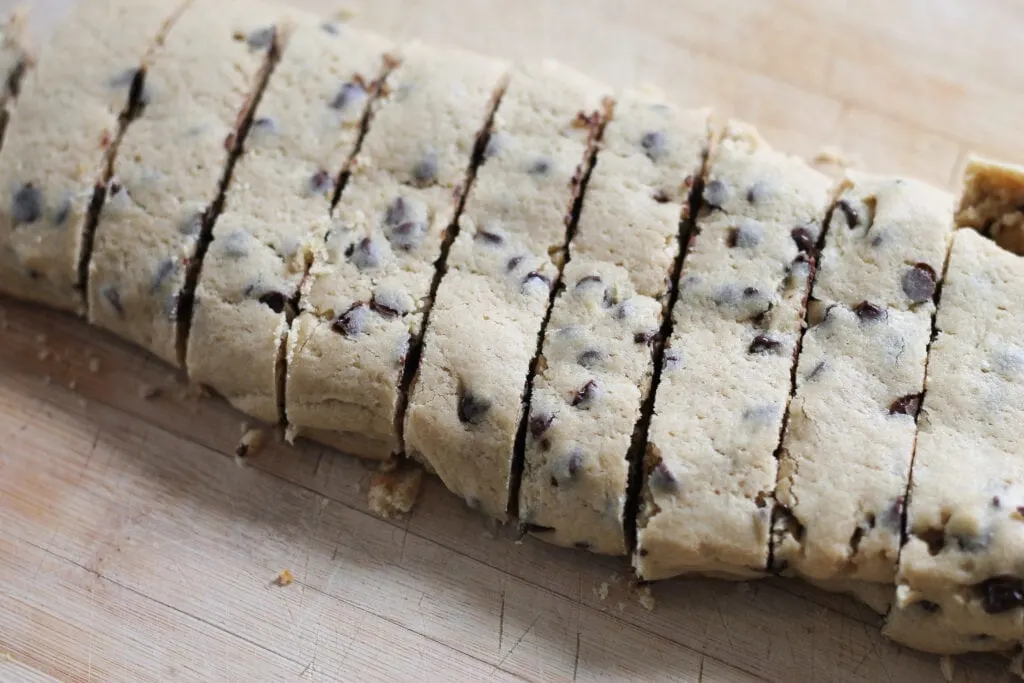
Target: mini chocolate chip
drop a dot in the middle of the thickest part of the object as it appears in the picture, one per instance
(60, 216)
(27, 204)
(260, 39)
(661, 479)
(644, 337)
(321, 182)
(408, 235)
(575, 463)
(642, 552)
(365, 254)
(868, 311)
(384, 310)
(661, 197)
(654, 144)
(472, 409)
(673, 360)
(716, 194)
(161, 274)
(919, 283)
(425, 171)
(928, 606)
(352, 321)
(513, 263)
(113, 297)
(623, 310)
(540, 167)
(764, 343)
(264, 124)
(567, 469)
(545, 445)
(588, 281)
(488, 237)
(758, 192)
(586, 395)
(398, 212)
(751, 292)
(803, 239)
(1001, 594)
(906, 405)
(34, 274)
(329, 27)
(534, 278)
(349, 93)
(540, 422)
(589, 358)
(276, 301)
(851, 214)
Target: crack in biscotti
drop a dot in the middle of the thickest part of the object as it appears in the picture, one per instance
(377, 91)
(780, 514)
(13, 89)
(584, 171)
(412, 361)
(638, 442)
(233, 143)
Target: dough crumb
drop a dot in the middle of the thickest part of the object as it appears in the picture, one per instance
(601, 592)
(948, 667)
(646, 599)
(394, 493)
(833, 155)
(621, 607)
(290, 434)
(94, 365)
(250, 444)
(285, 578)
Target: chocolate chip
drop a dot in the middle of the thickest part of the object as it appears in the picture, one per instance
(816, 371)
(919, 283)
(513, 263)
(260, 39)
(263, 125)
(758, 192)
(803, 239)
(34, 274)
(654, 144)
(533, 279)
(623, 311)
(540, 422)
(906, 405)
(764, 343)
(673, 360)
(26, 205)
(161, 274)
(589, 358)
(352, 321)
(365, 254)
(321, 182)
(567, 469)
(588, 282)
(113, 297)
(425, 171)
(488, 237)
(1001, 594)
(398, 212)
(751, 292)
(586, 395)
(716, 194)
(746, 235)
(472, 409)
(869, 312)
(661, 197)
(661, 479)
(329, 27)
(349, 94)
(644, 337)
(385, 308)
(276, 301)
(540, 167)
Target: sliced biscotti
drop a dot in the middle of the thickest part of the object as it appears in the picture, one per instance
(56, 151)
(305, 129)
(725, 384)
(993, 202)
(845, 458)
(172, 161)
(960, 583)
(363, 302)
(15, 60)
(605, 322)
(466, 402)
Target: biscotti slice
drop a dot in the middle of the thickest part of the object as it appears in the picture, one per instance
(605, 322)
(305, 129)
(710, 465)
(845, 458)
(363, 302)
(993, 202)
(960, 582)
(467, 400)
(171, 164)
(55, 156)
(14, 62)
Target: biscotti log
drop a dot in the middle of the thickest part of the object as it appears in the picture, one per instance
(492, 268)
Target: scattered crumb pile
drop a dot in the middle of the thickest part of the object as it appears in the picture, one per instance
(285, 578)
(394, 490)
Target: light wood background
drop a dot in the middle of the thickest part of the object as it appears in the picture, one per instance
(132, 547)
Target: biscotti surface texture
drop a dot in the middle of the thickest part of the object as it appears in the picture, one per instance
(467, 400)
(605, 322)
(304, 131)
(363, 303)
(58, 141)
(725, 383)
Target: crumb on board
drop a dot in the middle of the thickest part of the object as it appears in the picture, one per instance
(393, 493)
(948, 667)
(646, 599)
(601, 592)
(250, 444)
(285, 578)
(290, 434)
(833, 155)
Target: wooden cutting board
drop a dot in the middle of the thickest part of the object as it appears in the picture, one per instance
(132, 547)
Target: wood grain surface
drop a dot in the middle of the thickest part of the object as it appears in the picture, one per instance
(132, 547)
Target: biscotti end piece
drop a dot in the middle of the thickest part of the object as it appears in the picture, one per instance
(993, 202)
(960, 574)
(364, 300)
(57, 143)
(845, 459)
(304, 132)
(170, 168)
(467, 399)
(710, 466)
